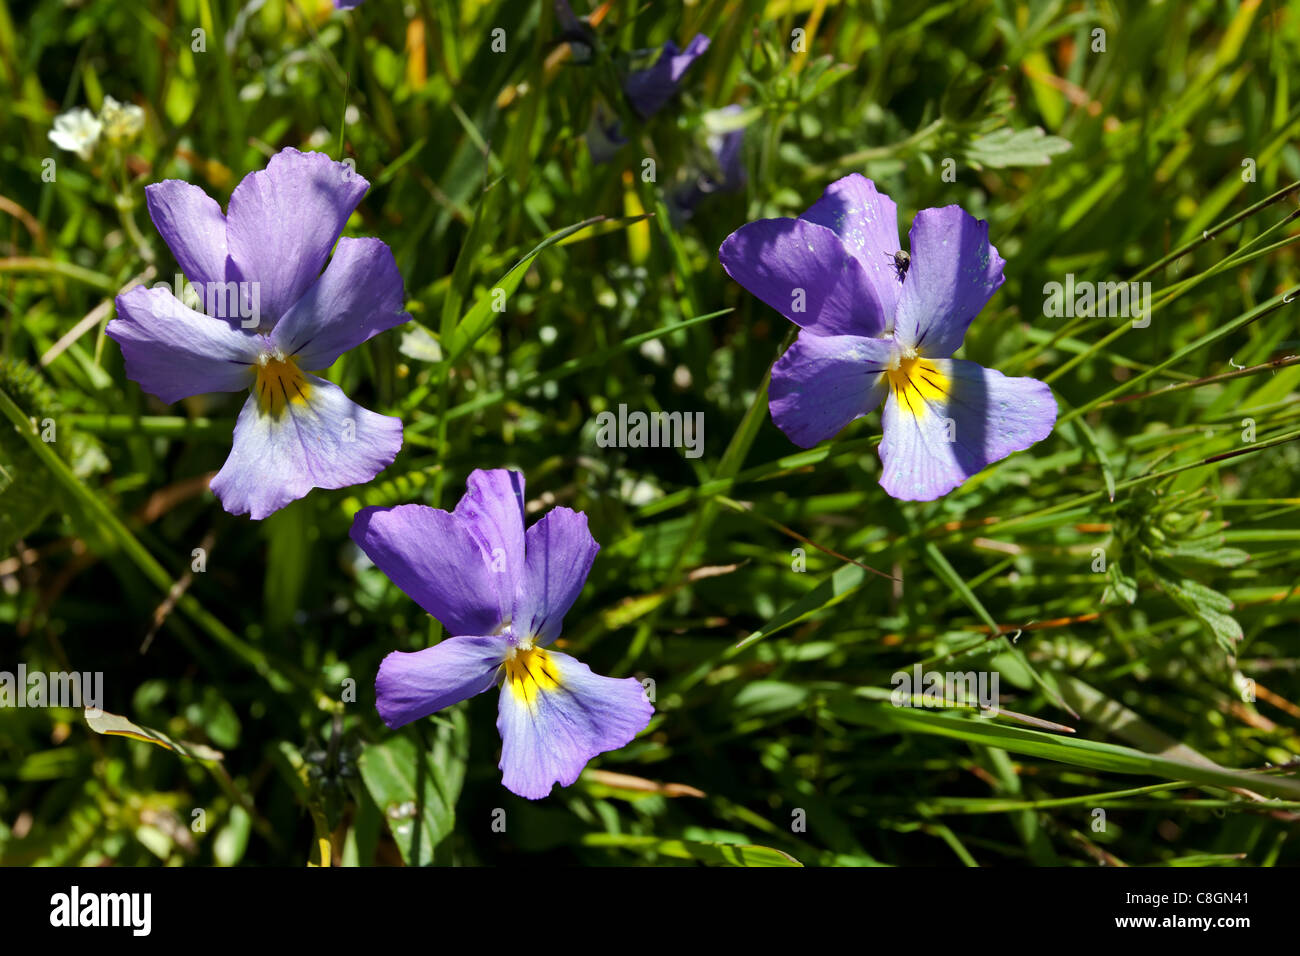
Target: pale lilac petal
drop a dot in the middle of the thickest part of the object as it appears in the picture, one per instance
(492, 511)
(932, 443)
(559, 553)
(173, 352)
(649, 89)
(191, 223)
(430, 555)
(867, 223)
(802, 270)
(284, 220)
(324, 441)
(954, 273)
(555, 715)
(359, 295)
(410, 686)
(728, 153)
(823, 382)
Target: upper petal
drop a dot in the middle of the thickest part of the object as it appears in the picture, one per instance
(823, 382)
(430, 555)
(867, 223)
(414, 685)
(492, 511)
(802, 270)
(191, 223)
(650, 89)
(316, 438)
(359, 295)
(558, 556)
(954, 272)
(283, 221)
(964, 418)
(174, 352)
(555, 714)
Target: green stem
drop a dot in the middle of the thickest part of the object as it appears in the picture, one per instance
(158, 426)
(55, 267)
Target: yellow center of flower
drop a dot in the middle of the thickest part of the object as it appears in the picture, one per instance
(529, 672)
(915, 382)
(279, 382)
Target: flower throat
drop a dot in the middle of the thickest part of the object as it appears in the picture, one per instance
(279, 382)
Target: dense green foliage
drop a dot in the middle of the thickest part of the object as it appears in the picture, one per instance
(1139, 564)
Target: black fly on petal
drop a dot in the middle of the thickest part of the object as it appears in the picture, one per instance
(901, 261)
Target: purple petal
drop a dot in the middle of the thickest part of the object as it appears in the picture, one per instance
(867, 223)
(430, 555)
(728, 153)
(492, 511)
(191, 223)
(555, 714)
(650, 89)
(729, 175)
(962, 419)
(803, 271)
(823, 382)
(284, 220)
(410, 686)
(174, 352)
(954, 273)
(559, 553)
(359, 295)
(324, 440)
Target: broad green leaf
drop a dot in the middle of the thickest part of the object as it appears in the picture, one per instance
(231, 840)
(416, 788)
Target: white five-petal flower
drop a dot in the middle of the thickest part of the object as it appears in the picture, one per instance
(77, 131)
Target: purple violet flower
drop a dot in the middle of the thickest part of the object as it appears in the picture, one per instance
(575, 31)
(727, 150)
(649, 89)
(501, 593)
(271, 314)
(876, 326)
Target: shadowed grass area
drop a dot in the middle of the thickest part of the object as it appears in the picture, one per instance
(1130, 580)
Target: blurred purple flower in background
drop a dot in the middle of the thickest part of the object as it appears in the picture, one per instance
(728, 175)
(647, 90)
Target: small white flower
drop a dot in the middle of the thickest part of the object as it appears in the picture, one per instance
(122, 121)
(319, 139)
(77, 131)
